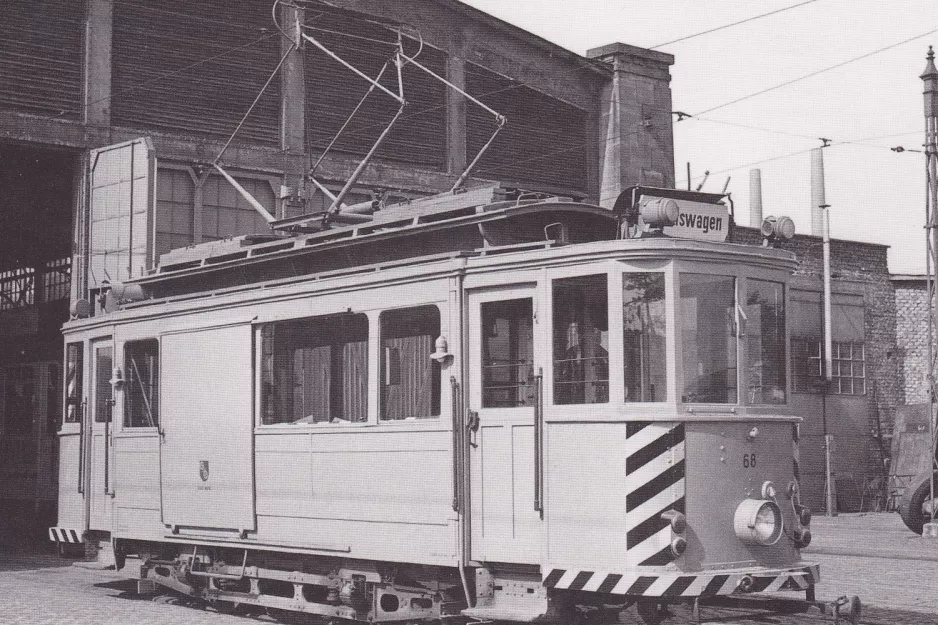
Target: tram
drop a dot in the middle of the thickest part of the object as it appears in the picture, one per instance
(490, 404)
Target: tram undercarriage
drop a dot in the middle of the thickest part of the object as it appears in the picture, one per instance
(244, 581)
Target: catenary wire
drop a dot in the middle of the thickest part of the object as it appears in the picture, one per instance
(816, 73)
(748, 19)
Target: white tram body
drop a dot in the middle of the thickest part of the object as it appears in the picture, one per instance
(501, 408)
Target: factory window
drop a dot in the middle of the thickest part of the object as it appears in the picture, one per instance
(507, 353)
(848, 367)
(142, 383)
(315, 370)
(581, 340)
(410, 379)
(74, 368)
(175, 206)
(643, 329)
(708, 338)
(225, 213)
(765, 341)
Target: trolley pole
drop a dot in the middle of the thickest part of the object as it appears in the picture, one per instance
(930, 92)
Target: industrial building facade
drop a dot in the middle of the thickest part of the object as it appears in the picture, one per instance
(175, 80)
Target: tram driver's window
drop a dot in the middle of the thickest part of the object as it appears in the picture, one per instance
(74, 366)
(315, 370)
(765, 342)
(708, 338)
(410, 379)
(507, 353)
(142, 384)
(581, 340)
(643, 329)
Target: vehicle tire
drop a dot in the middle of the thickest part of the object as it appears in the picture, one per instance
(913, 503)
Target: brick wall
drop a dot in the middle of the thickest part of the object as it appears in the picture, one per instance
(912, 337)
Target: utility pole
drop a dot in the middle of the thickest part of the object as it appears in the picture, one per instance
(930, 78)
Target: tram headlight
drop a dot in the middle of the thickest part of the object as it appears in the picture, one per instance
(758, 522)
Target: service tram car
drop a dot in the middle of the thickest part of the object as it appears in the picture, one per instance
(488, 404)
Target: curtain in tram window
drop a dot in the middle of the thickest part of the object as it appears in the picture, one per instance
(355, 381)
(410, 393)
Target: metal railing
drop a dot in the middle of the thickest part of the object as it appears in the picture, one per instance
(29, 286)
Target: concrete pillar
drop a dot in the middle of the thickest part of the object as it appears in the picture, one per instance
(293, 111)
(98, 35)
(637, 142)
(456, 112)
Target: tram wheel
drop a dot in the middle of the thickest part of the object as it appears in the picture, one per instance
(916, 507)
(651, 612)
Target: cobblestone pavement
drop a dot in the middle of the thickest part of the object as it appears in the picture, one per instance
(894, 572)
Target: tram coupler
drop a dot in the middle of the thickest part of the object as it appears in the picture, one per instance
(842, 609)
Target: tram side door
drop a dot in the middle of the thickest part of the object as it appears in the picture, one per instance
(504, 353)
(207, 429)
(99, 425)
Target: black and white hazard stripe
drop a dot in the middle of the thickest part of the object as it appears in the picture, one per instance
(705, 584)
(64, 535)
(654, 483)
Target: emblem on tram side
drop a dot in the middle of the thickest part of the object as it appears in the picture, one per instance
(203, 470)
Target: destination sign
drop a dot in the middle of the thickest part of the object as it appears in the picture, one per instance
(698, 220)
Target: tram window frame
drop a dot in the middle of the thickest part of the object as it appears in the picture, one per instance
(563, 341)
(507, 352)
(766, 360)
(134, 398)
(658, 349)
(333, 347)
(690, 389)
(400, 363)
(74, 392)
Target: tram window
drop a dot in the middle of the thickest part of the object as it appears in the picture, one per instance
(142, 385)
(507, 353)
(315, 370)
(410, 379)
(581, 340)
(102, 385)
(765, 342)
(643, 329)
(74, 367)
(708, 338)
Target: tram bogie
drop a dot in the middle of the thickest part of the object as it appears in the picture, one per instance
(517, 427)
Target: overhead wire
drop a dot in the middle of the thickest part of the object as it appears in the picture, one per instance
(815, 73)
(737, 23)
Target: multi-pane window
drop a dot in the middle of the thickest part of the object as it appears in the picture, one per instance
(708, 338)
(765, 341)
(74, 367)
(141, 383)
(508, 353)
(225, 213)
(848, 367)
(315, 370)
(643, 329)
(581, 340)
(175, 206)
(410, 379)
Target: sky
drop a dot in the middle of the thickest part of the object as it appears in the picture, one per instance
(865, 107)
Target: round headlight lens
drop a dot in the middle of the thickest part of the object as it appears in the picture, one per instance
(758, 522)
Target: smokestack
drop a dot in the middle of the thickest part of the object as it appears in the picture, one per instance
(818, 198)
(755, 198)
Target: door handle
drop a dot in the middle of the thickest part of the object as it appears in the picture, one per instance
(472, 426)
(81, 448)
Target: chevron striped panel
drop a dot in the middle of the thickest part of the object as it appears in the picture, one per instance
(654, 483)
(705, 584)
(64, 535)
